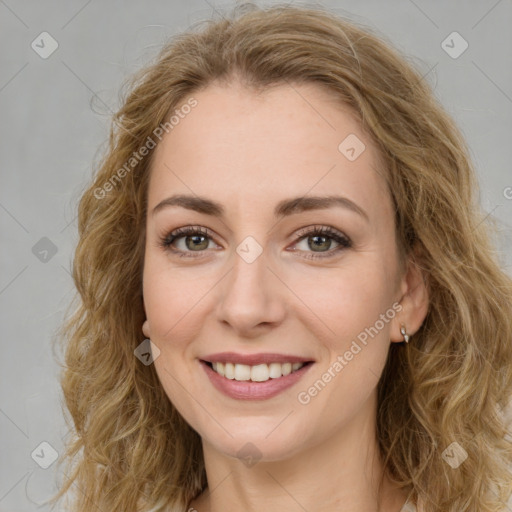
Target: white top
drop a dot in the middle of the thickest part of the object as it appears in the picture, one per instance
(408, 507)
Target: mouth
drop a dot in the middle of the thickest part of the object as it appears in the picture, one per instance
(254, 382)
(254, 373)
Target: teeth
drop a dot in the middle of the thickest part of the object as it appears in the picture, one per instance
(275, 370)
(242, 372)
(257, 373)
(260, 373)
(229, 370)
(219, 368)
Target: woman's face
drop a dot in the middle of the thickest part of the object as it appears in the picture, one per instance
(258, 282)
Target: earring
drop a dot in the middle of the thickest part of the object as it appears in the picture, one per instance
(145, 328)
(404, 334)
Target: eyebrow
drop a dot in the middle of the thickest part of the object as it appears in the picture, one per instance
(284, 208)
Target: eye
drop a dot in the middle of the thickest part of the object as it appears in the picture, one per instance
(197, 239)
(322, 237)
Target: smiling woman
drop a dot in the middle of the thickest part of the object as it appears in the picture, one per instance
(326, 325)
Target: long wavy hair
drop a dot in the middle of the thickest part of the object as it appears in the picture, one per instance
(444, 392)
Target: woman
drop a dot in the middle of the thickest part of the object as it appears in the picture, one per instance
(289, 297)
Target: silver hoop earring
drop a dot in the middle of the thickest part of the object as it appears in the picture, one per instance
(404, 334)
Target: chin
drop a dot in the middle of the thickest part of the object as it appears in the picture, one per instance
(266, 440)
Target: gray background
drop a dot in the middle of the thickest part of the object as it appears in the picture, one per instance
(54, 114)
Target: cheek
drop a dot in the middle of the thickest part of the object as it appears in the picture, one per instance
(358, 311)
(171, 300)
(343, 302)
(169, 304)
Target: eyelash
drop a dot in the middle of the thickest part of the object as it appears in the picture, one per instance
(344, 242)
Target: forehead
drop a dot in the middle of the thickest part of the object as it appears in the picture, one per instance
(254, 148)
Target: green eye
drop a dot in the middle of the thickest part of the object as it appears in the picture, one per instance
(197, 240)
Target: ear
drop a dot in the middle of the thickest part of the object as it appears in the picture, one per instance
(145, 329)
(414, 301)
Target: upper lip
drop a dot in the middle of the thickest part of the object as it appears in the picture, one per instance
(254, 359)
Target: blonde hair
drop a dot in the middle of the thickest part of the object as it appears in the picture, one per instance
(450, 384)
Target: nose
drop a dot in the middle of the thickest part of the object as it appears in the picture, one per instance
(251, 298)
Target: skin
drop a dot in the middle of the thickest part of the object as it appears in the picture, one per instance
(249, 151)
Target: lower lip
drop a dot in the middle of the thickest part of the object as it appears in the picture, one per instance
(249, 390)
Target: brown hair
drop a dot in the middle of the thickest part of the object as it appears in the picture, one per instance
(450, 384)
